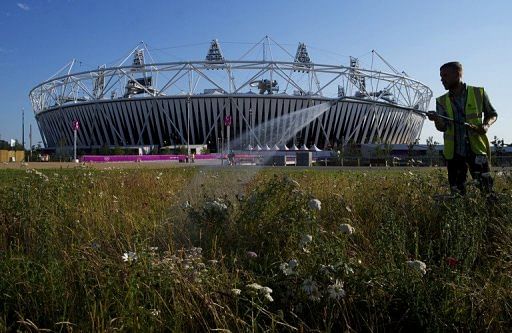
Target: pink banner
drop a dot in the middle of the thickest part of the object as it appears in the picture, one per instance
(143, 158)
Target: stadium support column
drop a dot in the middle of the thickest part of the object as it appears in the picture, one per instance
(250, 130)
(190, 74)
(74, 145)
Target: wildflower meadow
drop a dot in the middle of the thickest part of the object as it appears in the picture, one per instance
(245, 249)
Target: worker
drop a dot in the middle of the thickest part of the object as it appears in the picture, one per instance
(465, 141)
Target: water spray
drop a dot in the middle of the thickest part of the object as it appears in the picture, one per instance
(425, 113)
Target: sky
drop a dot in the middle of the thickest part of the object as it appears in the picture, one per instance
(38, 37)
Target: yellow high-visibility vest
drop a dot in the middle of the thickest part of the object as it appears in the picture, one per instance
(473, 112)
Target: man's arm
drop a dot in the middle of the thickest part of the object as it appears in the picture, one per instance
(439, 122)
(490, 116)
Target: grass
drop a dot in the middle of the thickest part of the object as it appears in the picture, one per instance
(201, 244)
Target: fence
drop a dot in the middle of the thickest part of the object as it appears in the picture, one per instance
(11, 156)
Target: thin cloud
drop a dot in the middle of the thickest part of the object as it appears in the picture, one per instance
(23, 6)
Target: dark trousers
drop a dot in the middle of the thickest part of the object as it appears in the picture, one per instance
(478, 167)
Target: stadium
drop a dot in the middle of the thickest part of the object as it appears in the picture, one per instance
(253, 104)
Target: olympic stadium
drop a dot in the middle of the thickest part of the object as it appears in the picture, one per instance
(140, 102)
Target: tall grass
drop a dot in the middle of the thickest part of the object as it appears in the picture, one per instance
(196, 249)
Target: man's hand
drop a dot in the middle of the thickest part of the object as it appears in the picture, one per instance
(478, 129)
(432, 115)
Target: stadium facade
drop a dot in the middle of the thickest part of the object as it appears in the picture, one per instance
(147, 103)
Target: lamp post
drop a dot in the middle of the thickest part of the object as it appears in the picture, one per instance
(188, 128)
(23, 128)
(30, 141)
(228, 120)
(250, 125)
(219, 150)
(76, 126)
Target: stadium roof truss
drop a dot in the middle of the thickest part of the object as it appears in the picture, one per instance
(299, 76)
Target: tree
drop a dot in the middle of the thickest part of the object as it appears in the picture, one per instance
(382, 150)
(410, 147)
(104, 150)
(499, 145)
(499, 148)
(117, 151)
(4, 145)
(431, 149)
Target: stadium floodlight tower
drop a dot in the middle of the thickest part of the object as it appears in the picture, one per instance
(147, 103)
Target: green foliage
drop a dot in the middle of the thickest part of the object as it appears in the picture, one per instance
(181, 150)
(104, 150)
(117, 151)
(192, 249)
(4, 145)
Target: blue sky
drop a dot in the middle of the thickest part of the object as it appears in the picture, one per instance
(37, 37)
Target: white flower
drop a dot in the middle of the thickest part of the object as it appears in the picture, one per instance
(285, 269)
(336, 291)
(252, 254)
(215, 205)
(292, 182)
(308, 286)
(289, 267)
(196, 251)
(266, 290)
(346, 228)
(129, 256)
(155, 312)
(327, 269)
(41, 175)
(311, 289)
(236, 291)
(315, 204)
(306, 239)
(418, 266)
(254, 286)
